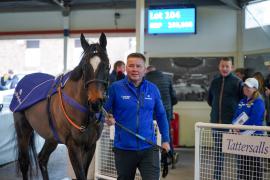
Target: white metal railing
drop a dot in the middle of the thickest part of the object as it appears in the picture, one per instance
(224, 152)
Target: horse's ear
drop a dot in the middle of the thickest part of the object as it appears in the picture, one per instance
(103, 40)
(84, 43)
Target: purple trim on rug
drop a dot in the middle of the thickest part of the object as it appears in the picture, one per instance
(73, 103)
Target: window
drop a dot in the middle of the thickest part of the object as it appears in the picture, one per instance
(32, 54)
(77, 43)
(39, 55)
(257, 63)
(32, 44)
(257, 14)
(32, 58)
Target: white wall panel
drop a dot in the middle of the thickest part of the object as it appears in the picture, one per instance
(86, 19)
(31, 21)
(102, 19)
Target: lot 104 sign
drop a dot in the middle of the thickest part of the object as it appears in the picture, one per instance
(171, 21)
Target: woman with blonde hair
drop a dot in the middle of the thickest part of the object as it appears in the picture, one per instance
(253, 107)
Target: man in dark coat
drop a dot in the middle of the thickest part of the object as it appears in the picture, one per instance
(168, 96)
(224, 95)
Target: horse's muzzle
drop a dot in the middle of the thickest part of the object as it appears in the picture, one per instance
(95, 106)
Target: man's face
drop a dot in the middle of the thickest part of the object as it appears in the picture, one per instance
(225, 67)
(135, 69)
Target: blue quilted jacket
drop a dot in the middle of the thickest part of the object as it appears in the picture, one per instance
(254, 110)
(133, 108)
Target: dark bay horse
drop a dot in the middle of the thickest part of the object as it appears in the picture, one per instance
(71, 115)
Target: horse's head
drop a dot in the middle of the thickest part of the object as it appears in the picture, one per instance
(94, 71)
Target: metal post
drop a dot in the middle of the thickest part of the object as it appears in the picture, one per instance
(197, 153)
(66, 35)
(140, 26)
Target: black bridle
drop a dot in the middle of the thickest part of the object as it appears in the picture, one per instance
(105, 82)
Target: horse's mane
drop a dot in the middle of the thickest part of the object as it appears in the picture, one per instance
(92, 49)
(76, 72)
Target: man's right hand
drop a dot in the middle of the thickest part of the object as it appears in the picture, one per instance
(110, 120)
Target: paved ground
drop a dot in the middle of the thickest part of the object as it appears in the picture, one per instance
(185, 167)
(58, 169)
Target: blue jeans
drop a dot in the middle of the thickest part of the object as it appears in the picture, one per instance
(147, 161)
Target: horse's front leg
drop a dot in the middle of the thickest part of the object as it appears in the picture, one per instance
(76, 158)
(87, 158)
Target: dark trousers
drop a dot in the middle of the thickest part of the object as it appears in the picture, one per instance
(171, 140)
(248, 168)
(147, 161)
(218, 155)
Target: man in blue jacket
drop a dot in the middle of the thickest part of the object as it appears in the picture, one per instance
(132, 102)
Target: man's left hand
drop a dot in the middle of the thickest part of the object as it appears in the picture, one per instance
(166, 146)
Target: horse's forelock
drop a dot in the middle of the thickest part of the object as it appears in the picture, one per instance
(92, 50)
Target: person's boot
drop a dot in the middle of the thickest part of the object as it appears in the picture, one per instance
(174, 159)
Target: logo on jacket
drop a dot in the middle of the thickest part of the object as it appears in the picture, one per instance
(148, 97)
(125, 97)
(248, 105)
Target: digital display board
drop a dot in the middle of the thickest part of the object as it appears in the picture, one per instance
(172, 20)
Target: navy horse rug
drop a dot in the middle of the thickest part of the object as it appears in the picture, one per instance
(34, 88)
